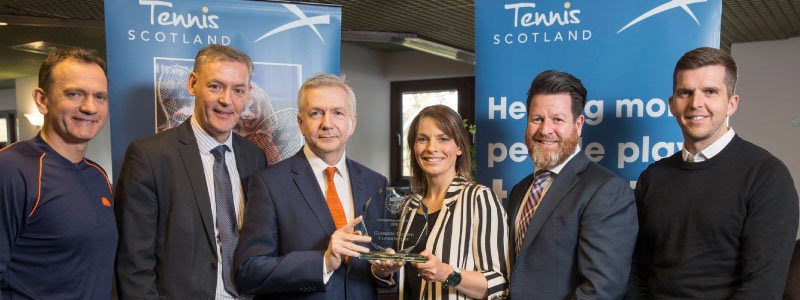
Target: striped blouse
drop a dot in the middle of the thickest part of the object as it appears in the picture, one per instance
(471, 232)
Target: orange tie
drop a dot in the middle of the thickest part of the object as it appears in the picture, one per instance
(334, 203)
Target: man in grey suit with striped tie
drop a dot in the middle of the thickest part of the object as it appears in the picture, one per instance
(574, 222)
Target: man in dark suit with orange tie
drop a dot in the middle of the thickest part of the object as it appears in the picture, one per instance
(298, 231)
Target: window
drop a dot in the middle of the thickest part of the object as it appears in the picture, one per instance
(408, 98)
(7, 128)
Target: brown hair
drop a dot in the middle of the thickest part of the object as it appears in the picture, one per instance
(703, 57)
(59, 55)
(216, 52)
(553, 82)
(450, 123)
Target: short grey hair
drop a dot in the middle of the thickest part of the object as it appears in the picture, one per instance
(323, 80)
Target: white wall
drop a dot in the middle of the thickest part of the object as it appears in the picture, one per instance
(99, 148)
(8, 99)
(370, 73)
(414, 65)
(768, 98)
(369, 145)
(25, 105)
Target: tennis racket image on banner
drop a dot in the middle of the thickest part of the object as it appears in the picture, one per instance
(272, 127)
(285, 133)
(173, 102)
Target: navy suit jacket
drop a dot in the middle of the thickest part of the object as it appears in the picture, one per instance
(286, 231)
(580, 239)
(167, 246)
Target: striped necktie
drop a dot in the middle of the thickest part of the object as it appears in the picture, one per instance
(540, 180)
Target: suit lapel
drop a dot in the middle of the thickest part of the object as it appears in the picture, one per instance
(516, 199)
(564, 182)
(514, 203)
(359, 193)
(193, 164)
(358, 188)
(306, 183)
(244, 163)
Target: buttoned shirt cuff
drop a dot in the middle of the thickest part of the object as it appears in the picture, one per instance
(326, 276)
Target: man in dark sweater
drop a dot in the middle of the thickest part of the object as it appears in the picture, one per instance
(717, 220)
(57, 230)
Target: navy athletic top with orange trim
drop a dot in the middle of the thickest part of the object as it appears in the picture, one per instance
(58, 236)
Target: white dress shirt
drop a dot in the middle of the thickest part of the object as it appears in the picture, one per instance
(204, 144)
(342, 181)
(710, 151)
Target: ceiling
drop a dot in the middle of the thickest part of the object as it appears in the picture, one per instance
(449, 22)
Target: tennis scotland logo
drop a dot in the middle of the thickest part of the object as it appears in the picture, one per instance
(168, 24)
(302, 21)
(684, 4)
(543, 22)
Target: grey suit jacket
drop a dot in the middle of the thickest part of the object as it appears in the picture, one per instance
(167, 246)
(580, 240)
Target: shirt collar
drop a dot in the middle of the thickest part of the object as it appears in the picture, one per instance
(319, 165)
(42, 145)
(710, 151)
(557, 169)
(206, 142)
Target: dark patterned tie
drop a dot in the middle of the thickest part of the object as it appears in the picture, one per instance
(226, 216)
(540, 179)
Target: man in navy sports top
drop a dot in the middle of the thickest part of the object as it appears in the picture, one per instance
(57, 230)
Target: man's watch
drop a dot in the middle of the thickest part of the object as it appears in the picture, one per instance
(454, 279)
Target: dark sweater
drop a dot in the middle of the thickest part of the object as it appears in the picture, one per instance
(58, 236)
(719, 229)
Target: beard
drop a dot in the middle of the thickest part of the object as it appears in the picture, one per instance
(544, 159)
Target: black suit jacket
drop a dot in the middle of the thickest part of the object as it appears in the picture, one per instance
(287, 229)
(167, 246)
(580, 239)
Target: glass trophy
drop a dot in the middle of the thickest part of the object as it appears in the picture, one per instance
(389, 218)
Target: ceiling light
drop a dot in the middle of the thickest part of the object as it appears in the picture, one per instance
(412, 41)
(56, 21)
(376, 36)
(440, 50)
(42, 47)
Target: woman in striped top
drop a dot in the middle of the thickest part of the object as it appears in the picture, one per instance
(467, 244)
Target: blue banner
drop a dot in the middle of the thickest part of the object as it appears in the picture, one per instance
(151, 47)
(623, 51)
